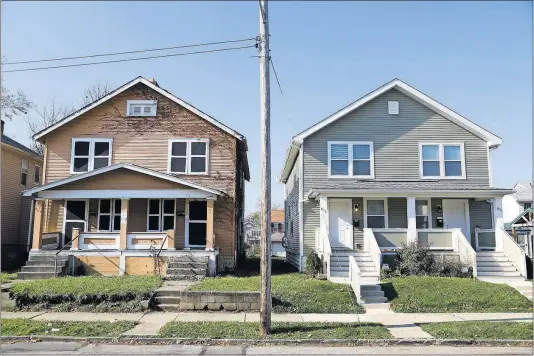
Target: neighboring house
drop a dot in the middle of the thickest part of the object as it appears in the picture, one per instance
(252, 232)
(21, 169)
(140, 174)
(521, 199)
(395, 166)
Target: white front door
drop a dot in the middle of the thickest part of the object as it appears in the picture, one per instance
(340, 224)
(454, 215)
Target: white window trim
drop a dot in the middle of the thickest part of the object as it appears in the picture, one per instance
(429, 204)
(34, 171)
(188, 155)
(386, 215)
(351, 160)
(91, 157)
(441, 159)
(187, 221)
(152, 103)
(112, 214)
(24, 171)
(160, 215)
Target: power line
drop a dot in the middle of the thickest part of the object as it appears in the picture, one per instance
(130, 52)
(127, 60)
(276, 76)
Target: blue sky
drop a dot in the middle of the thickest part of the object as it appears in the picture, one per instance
(474, 57)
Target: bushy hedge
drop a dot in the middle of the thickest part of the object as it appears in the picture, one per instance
(416, 259)
(85, 290)
(314, 265)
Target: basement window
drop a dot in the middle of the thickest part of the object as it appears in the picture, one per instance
(141, 108)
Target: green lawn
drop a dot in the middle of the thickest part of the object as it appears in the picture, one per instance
(6, 277)
(292, 292)
(480, 330)
(447, 294)
(240, 330)
(23, 327)
(84, 285)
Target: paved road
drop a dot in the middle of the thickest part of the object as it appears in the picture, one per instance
(72, 348)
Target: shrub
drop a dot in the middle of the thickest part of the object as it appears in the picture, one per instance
(314, 265)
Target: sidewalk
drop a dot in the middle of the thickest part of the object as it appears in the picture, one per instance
(401, 325)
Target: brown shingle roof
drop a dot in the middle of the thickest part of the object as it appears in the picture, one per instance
(277, 216)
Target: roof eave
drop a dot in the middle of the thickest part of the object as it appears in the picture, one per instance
(289, 162)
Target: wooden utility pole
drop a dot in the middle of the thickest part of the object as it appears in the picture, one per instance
(265, 139)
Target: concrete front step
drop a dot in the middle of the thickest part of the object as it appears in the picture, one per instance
(494, 263)
(496, 269)
(187, 265)
(374, 293)
(498, 274)
(374, 300)
(45, 263)
(36, 275)
(189, 258)
(492, 259)
(161, 299)
(34, 257)
(187, 271)
(41, 269)
(501, 279)
(376, 306)
(168, 307)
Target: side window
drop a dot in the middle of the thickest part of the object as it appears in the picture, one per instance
(37, 174)
(24, 172)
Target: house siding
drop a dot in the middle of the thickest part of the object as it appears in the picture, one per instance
(291, 211)
(311, 221)
(397, 213)
(481, 216)
(143, 141)
(358, 216)
(15, 218)
(396, 142)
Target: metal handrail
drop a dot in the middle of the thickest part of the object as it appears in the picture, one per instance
(157, 254)
(61, 249)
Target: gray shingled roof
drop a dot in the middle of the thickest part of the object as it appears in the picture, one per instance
(403, 185)
(523, 191)
(20, 146)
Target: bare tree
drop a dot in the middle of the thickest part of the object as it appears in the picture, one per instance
(52, 112)
(13, 104)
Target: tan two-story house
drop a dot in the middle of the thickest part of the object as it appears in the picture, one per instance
(21, 169)
(140, 182)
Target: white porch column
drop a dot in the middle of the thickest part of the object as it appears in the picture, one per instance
(323, 218)
(498, 223)
(412, 229)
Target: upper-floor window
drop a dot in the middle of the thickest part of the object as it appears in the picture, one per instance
(89, 154)
(350, 159)
(141, 108)
(188, 156)
(24, 172)
(527, 206)
(37, 174)
(442, 160)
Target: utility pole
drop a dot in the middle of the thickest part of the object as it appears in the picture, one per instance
(265, 139)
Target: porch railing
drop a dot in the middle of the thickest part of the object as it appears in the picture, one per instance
(514, 252)
(354, 277)
(390, 239)
(146, 240)
(371, 246)
(437, 239)
(99, 240)
(485, 239)
(468, 255)
(50, 240)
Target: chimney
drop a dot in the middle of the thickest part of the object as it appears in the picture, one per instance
(3, 126)
(153, 81)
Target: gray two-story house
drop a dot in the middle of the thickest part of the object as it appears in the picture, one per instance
(392, 167)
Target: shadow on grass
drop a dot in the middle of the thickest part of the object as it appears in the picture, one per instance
(389, 291)
(251, 267)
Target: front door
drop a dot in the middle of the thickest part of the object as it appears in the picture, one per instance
(454, 215)
(75, 216)
(196, 223)
(340, 224)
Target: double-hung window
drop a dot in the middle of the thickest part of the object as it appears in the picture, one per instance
(109, 215)
(188, 156)
(36, 174)
(422, 214)
(376, 214)
(442, 160)
(90, 153)
(350, 159)
(24, 172)
(161, 214)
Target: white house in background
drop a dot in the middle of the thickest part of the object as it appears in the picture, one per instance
(514, 204)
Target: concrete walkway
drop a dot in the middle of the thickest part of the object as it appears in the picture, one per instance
(401, 325)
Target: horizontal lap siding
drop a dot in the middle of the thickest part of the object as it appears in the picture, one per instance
(481, 216)
(311, 219)
(358, 216)
(144, 142)
(292, 210)
(397, 213)
(395, 138)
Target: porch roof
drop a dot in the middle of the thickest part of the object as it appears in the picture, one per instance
(47, 191)
(403, 188)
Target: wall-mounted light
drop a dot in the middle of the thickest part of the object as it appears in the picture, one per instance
(356, 207)
(438, 208)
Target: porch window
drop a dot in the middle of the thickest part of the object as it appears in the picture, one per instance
(376, 214)
(442, 161)
(109, 215)
(90, 154)
(24, 172)
(421, 214)
(188, 156)
(161, 214)
(350, 159)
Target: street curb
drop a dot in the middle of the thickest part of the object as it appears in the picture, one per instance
(300, 342)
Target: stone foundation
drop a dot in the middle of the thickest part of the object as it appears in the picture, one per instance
(230, 301)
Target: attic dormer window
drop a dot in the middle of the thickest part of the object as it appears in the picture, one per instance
(142, 108)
